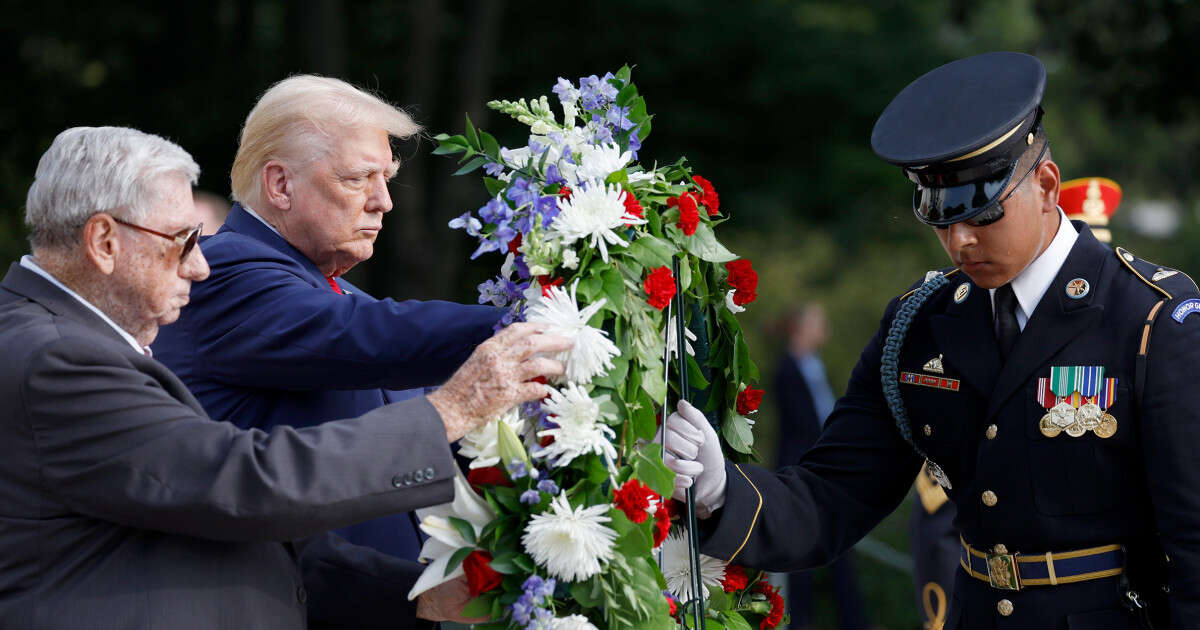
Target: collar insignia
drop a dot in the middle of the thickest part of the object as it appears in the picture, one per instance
(1162, 274)
(934, 365)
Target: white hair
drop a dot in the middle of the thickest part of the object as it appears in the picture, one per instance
(88, 170)
(296, 120)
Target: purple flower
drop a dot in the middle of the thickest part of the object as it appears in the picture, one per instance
(635, 143)
(495, 211)
(522, 269)
(618, 118)
(537, 148)
(603, 136)
(492, 292)
(565, 91)
(495, 169)
(553, 176)
(522, 609)
(516, 470)
(522, 192)
(485, 245)
(597, 92)
(531, 497)
(548, 486)
(467, 222)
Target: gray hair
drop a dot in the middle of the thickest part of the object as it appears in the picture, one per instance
(296, 119)
(88, 170)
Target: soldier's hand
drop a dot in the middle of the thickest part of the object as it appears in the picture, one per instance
(693, 451)
(497, 376)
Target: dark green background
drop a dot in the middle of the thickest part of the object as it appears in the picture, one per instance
(773, 101)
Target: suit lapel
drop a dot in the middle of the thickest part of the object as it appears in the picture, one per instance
(1057, 320)
(244, 223)
(958, 332)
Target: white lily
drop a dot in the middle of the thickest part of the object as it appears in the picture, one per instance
(444, 538)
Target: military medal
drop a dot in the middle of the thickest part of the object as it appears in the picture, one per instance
(1106, 398)
(1047, 399)
(1089, 380)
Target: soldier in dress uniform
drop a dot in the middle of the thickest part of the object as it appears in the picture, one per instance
(935, 543)
(1064, 423)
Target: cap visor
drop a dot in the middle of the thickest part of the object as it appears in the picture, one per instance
(941, 207)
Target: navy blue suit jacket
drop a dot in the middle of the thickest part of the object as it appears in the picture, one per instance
(266, 341)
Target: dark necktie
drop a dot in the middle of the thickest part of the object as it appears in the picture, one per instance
(1007, 328)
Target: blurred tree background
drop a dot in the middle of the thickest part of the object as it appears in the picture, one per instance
(772, 100)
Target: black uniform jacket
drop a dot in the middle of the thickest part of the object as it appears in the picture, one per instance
(1139, 488)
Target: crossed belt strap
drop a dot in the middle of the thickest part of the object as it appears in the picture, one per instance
(1014, 571)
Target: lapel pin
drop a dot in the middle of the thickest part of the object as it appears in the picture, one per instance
(961, 292)
(1077, 288)
(934, 365)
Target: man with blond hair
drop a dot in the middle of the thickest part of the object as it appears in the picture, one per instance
(124, 505)
(277, 337)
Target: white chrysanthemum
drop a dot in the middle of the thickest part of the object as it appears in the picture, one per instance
(729, 303)
(482, 444)
(598, 161)
(581, 427)
(676, 567)
(571, 543)
(592, 354)
(444, 538)
(592, 214)
(573, 622)
(570, 260)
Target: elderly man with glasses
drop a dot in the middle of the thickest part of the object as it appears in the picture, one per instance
(122, 504)
(1045, 381)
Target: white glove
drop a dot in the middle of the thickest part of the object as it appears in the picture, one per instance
(693, 451)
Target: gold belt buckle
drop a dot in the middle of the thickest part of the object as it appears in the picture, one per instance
(1002, 571)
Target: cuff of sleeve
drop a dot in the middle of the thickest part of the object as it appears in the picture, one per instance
(726, 533)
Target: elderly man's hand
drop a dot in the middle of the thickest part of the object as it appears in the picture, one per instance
(498, 376)
(445, 602)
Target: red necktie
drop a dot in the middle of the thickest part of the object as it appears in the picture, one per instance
(333, 285)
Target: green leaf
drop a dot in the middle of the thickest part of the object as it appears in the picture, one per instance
(479, 607)
(524, 563)
(503, 563)
(734, 621)
(624, 73)
(472, 137)
(597, 472)
(654, 384)
(613, 288)
(490, 147)
(651, 252)
(457, 559)
(685, 275)
(737, 433)
(472, 165)
(449, 144)
(464, 528)
(616, 376)
(704, 244)
(644, 424)
(494, 186)
(718, 599)
(745, 367)
(627, 93)
(696, 378)
(589, 593)
(654, 222)
(649, 468)
(632, 540)
(620, 177)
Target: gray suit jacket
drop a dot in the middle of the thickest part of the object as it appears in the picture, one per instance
(122, 505)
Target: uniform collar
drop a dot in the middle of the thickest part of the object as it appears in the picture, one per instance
(1031, 284)
(28, 263)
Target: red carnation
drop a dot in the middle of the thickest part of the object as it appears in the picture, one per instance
(748, 400)
(564, 193)
(689, 214)
(660, 287)
(633, 499)
(774, 617)
(514, 244)
(744, 278)
(673, 608)
(490, 476)
(632, 207)
(710, 198)
(546, 283)
(735, 578)
(662, 521)
(480, 576)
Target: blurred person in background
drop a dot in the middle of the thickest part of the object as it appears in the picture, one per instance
(276, 336)
(1059, 417)
(124, 504)
(213, 208)
(805, 400)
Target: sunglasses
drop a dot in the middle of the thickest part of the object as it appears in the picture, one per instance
(185, 238)
(931, 209)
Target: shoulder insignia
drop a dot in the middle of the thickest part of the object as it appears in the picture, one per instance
(929, 275)
(1185, 308)
(1170, 283)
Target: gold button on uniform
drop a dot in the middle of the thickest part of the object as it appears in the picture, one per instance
(989, 498)
(991, 431)
(1004, 607)
(928, 430)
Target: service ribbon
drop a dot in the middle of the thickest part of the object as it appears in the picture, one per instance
(1108, 393)
(1045, 395)
(1089, 379)
(1062, 380)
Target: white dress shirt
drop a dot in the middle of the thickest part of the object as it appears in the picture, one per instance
(1031, 284)
(27, 262)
